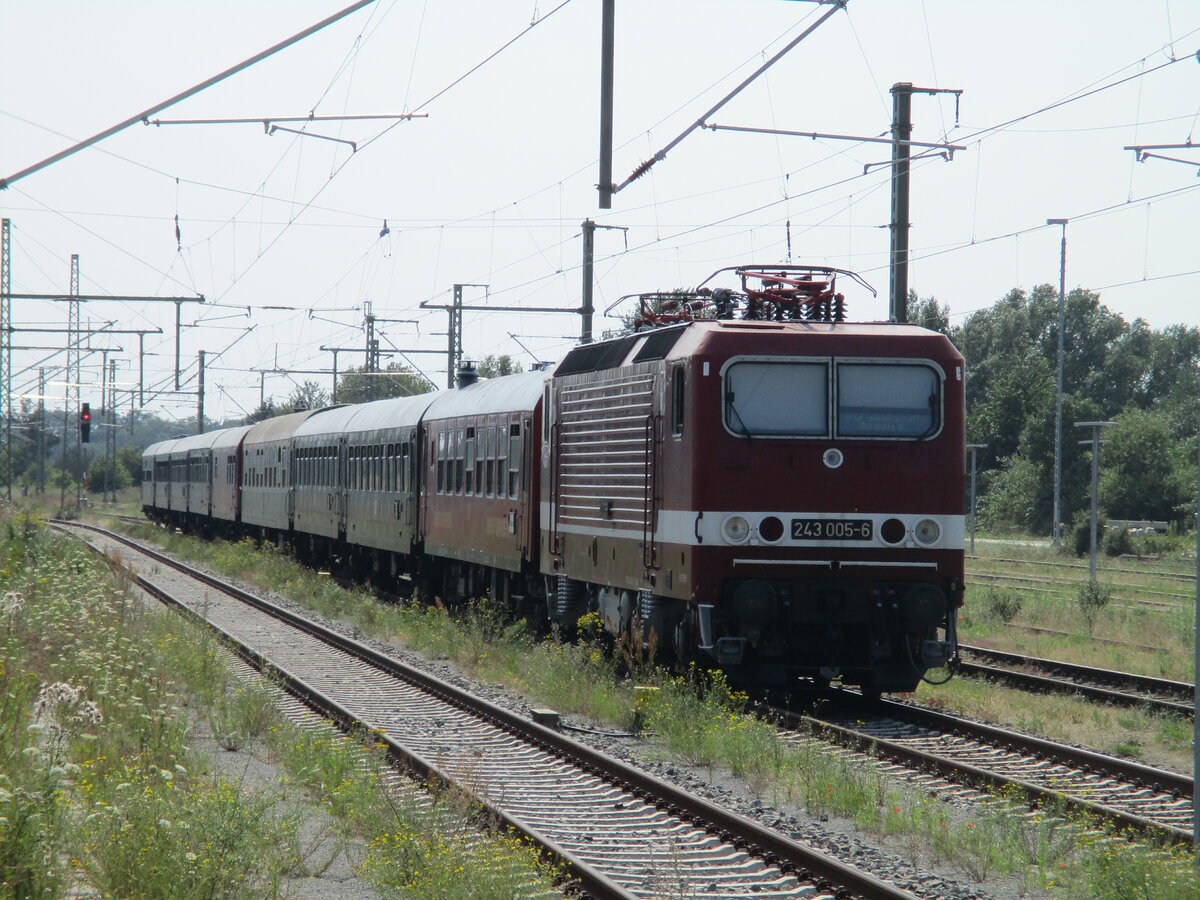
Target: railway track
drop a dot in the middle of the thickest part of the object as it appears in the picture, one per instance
(1123, 794)
(1058, 586)
(1048, 676)
(1188, 577)
(618, 831)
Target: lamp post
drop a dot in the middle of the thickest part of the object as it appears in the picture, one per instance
(1058, 393)
(1095, 442)
(973, 448)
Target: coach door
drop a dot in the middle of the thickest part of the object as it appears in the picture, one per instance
(338, 491)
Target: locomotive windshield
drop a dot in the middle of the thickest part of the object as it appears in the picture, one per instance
(790, 398)
(777, 398)
(882, 400)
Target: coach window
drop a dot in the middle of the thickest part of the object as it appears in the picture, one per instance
(781, 398)
(441, 462)
(677, 401)
(501, 462)
(460, 449)
(514, 459)
(490, 486)
(481, 453)
(888, 400)
(469, 459)
(405, 462)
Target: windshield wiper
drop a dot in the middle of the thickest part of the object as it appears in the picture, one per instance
(733, 409)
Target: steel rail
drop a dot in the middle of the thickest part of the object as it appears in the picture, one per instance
(965, 773)
(1176, 576)
(1103, 685)
(805, 863)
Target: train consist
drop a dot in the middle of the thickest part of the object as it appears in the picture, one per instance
(747, 481)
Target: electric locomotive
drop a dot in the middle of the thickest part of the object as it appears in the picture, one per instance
(752, 481)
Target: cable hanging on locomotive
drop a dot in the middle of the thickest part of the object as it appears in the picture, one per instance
(772, 293)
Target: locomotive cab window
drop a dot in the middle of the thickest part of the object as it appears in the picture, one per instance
(677, 384)
(777, 398)
(888, 400)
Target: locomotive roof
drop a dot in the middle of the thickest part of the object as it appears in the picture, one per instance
(676, 341)
(509, 393)
(394, 412)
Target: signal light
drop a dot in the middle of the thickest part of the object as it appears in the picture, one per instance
(85, 422)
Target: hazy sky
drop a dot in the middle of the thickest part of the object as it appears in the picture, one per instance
(492, 186)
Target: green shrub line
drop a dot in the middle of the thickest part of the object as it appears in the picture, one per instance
(702, 720)
(101, 792)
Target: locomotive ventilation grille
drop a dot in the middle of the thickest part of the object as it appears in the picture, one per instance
(605, 446)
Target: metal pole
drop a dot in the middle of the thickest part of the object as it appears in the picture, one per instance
(103, 407)
(607, 43)
(6, 344)
(110, 436)
(1095, 442)
(178, 306)
(454, 339)
(1058, 394)
(41, 471)
(141, 369)
(901, 133)
(73, 376)
(200, 394)
(973, 448)
(589, 255)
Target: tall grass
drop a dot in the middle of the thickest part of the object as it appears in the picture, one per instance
(99, 791)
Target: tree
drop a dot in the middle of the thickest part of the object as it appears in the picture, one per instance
(105, 474)
(928, 313)
(1111, 367)
(309, 395)
(497, 366)
(1147, 473)
(131, 459)
(266, 410)
(357, 385)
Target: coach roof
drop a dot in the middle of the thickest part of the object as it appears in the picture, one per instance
(509, 393)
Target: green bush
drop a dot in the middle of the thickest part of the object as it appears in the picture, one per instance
(1117, 542)
(1000, 604)
(1081, 532)
(1092, 598)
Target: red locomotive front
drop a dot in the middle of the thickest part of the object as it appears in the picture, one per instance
(782, 496)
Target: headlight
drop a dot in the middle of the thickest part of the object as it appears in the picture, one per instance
(927, 532)
(736, 529)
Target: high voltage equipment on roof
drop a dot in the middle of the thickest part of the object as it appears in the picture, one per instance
(776, 293)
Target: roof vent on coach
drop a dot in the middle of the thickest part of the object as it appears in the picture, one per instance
(467, 373)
